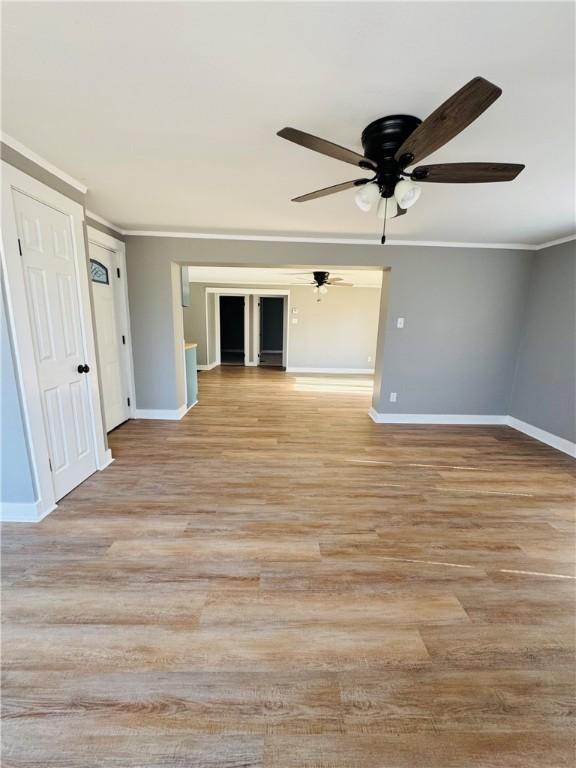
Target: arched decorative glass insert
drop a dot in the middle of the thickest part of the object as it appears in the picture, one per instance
(98, 272)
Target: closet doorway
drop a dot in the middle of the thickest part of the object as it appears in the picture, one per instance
(232, 330)
(272, 311)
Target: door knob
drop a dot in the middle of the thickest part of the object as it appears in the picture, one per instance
(83, 369)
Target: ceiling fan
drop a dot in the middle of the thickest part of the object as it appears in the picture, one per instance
(393, 143)
(322, 280)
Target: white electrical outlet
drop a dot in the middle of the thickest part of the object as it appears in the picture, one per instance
(393, 397)
(294, 321)
(400, 322)
(369, 358)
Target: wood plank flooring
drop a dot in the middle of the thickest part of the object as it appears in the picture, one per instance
(277, 582)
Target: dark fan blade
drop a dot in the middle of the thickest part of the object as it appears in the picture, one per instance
(326, 147)
(467, 173)
(449, 119)
(401, 212)
(330, 190)
(338, 285)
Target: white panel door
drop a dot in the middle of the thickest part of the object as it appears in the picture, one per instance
(109, 336)
(52, 291)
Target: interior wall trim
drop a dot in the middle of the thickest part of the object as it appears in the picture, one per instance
(434, 418)
(165, 415)
(328, 240)
(343, 240)
(297, 369)
(560, 443)
(43, 163)
(23, 512)
(102, 220)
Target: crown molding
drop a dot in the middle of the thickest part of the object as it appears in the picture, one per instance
(328, 240)
(552, 243)
(43, 163)
(105, 222)
(342, 240)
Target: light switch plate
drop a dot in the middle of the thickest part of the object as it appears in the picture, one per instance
(400, 322)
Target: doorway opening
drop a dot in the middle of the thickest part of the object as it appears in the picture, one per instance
(272, 331)
(232, 331)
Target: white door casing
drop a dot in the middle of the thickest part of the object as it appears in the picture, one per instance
(51, 286)
(110, 338)
(72, 291)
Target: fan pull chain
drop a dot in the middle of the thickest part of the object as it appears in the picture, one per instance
(383, 240)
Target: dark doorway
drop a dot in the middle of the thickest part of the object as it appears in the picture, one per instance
(232, 330)
(272, 331)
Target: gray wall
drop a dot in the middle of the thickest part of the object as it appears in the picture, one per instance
(195, 321)
(544, 391)
(463, 309)
(338, 332)
(16, 484)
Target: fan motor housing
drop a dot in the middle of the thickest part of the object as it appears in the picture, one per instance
(384, 137)
(381, 140)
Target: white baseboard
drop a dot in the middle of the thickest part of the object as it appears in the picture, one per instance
(107, 460)
(250, 363)
(23, 512)
(163, 415)
(433, 418)
(207, 367)
(293, 369)
(157, 413)
(560, 443)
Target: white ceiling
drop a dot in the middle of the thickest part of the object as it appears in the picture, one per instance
(168, 111)
(368, 278)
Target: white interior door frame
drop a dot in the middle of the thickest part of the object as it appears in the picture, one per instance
(229, 292)
(121, 298)
(256, 324)
(21, 330)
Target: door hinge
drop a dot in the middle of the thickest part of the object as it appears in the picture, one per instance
(128, 400)
(50, 463)
(19, 247)
(118, 271)
(123, 339)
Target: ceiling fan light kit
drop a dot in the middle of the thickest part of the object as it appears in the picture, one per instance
(387, 208)
(391, 144)
(366, 196)
(406, 193)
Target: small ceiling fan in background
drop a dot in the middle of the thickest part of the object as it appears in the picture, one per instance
(393, 143)
(321, 281)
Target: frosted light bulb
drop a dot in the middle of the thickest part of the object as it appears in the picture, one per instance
(366, 196)
(406, 193)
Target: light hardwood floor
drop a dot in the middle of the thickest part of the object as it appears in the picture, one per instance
(276, 581)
